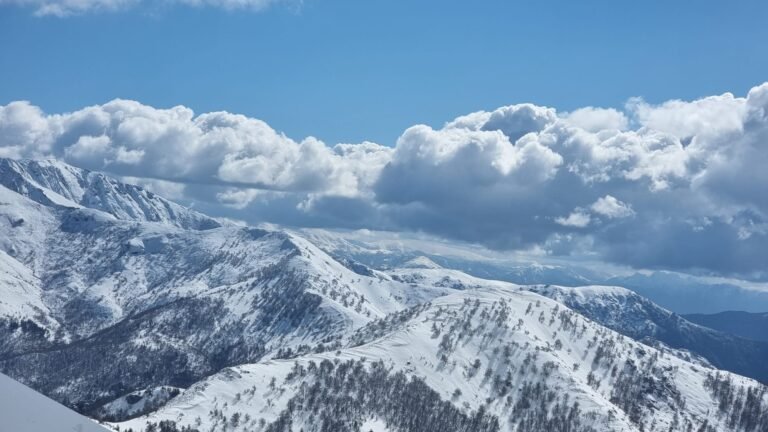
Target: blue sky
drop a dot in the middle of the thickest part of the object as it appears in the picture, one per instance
(348, 71)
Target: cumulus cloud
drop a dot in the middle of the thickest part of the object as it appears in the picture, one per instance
(677, 185)
(131, 139)
(594, 119)
(239, 198)
(705, 117)
(513, 121)
(24, 130)
(610, 207)
(63, 8)
(166, 189)
(607, 206)
(577, 219)
(692, 193)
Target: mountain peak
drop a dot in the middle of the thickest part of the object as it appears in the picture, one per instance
(56, 184)
(421, 262)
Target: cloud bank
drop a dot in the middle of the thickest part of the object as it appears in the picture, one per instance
(63, 8)
(680, 185)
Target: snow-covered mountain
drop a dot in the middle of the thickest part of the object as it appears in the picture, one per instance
(632, 315)
(385, 250)
(218, 327)
(142, 304)
(678, 292)
(628, 313)
(744, 324)
(51, 182)
(25, 410)
(685, 294)
(485, 359)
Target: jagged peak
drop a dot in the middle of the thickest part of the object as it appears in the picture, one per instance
(54, 183)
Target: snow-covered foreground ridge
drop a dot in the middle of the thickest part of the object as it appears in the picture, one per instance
(505, 359)
(24, 410)
(163, 320)
(140, 304)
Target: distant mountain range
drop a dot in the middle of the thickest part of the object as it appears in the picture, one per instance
(133, 310)
(677, 292)
(639, 318)
(744, 324)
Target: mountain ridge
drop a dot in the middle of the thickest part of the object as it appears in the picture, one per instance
(749, 325)
(51, 182)
(242, 328)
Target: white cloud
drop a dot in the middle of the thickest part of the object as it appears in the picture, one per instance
(166, 189)
(92, 151)
(24, 130)
(612, 208)
(63, 8)
(577, 219)
(514, 121)
(594, 119)
(706, 116)
(131, 139)
(239, 198)
(690, 176)
(687, 161)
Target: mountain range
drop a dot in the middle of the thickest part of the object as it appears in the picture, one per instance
(149, 316)
(679, 292)
(744, 324)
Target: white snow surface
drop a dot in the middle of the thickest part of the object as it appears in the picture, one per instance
(54, 182)
(414, 349)
(24, 410)
(139, 402)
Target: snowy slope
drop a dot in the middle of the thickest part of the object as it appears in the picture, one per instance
(51, 182)
(22, 297)
(639, 318)
(628, 313)
(519, 358)
(24, 410)
(137, 403)
(85, 289)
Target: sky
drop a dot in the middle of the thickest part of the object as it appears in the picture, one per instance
(633, 134)
(349, 71)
